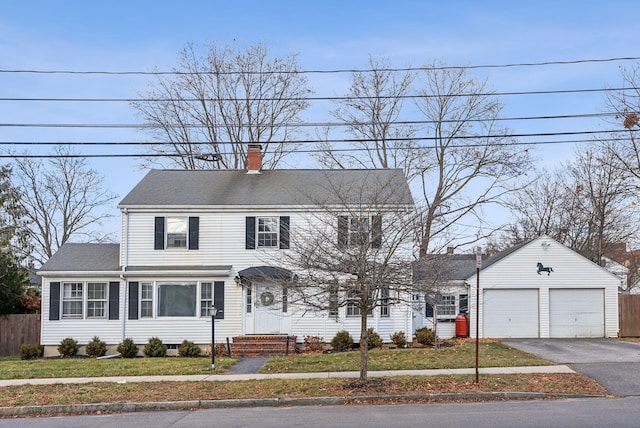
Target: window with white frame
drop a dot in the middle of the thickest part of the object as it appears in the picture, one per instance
(268, 232)
(72, 299)
(333, 301)
(384, 302)
(177, 299)
(97, 299)
(359, 231)
(206, 298)
(353, 304)
(443, 305)
(249, 302)
(146, 300)
(177, 232)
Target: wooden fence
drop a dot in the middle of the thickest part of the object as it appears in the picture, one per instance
(16, 330)
(629, 313)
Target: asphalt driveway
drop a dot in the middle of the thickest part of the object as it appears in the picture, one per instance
(614, 364)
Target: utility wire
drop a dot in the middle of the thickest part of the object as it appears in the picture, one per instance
(335, 71)
(312, 98)
(297, 125)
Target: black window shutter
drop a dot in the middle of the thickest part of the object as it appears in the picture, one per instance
(376, 231)
(158, 241)
(250, 239)
(133, 300)
(343, 231)
(284, 232)
(54, 301)
(114, 300)
(194, 232)
(218, 299)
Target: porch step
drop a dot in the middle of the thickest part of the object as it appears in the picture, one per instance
(262, 345)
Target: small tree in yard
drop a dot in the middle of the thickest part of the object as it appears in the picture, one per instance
(343, 259)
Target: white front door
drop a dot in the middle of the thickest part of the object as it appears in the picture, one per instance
(268, 309)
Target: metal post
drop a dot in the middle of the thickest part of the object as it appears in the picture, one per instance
(478, 266)
(213, 311)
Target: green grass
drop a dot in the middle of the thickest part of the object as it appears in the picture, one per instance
(462, 355)
(492, 354)
(88, 367)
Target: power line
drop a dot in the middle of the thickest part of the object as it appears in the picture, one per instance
(343, 150)
(312, 98)
(300, 125)
(353, 70)
(354, 140)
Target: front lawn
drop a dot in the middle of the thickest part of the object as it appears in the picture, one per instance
(89, 367)
(461, 355)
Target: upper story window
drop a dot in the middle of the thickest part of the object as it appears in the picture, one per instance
(177, 229)
(359, 231)
(267, 232)
(176, 232)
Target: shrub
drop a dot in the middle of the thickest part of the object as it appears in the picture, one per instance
(31, 351)
(68, 347)
(399, 339)
(127, 349)
(342, 341)
(375, 341)
(96, 348)
(425, 336)
(314, 343)
(189, 349)
(221, 349)
(155, 348)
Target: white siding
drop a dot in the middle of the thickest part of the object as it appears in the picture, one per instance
(221, 243)
(518, 270)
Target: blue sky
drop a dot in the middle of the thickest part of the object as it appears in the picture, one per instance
(326, 35)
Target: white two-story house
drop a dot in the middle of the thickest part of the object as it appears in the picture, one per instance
(196, 239)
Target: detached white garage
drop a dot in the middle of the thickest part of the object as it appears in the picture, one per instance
(544, 289)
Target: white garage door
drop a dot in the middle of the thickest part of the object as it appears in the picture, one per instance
(576, 312)
(510, 313)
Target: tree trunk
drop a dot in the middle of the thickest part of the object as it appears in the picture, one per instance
(364, 345)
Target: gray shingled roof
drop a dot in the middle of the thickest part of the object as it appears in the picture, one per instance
(84, 257)
(452, 267)
(270, 188)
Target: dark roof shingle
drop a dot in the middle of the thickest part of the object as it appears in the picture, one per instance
(84, 257)
(270, 188)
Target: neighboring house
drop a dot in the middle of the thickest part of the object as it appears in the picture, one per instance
(196, 239)
(536, 289)
(626, 264)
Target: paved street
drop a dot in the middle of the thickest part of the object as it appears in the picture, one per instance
(614, 364)
(583, 413)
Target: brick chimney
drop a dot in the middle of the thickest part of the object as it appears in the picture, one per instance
(254, 159)
(450, 250)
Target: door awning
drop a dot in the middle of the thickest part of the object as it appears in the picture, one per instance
(266, 272)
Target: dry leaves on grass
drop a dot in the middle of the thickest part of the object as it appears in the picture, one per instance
(30, 395)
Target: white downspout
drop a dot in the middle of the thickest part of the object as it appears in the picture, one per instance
(125, 263)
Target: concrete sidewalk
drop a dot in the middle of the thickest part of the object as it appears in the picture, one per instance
(257, 376)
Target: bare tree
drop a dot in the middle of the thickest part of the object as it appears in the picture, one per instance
(354, 252)
(205, 113)
(62, 199)
(465, 163)
(472, 161)
(585, 205)
(13, 221)
(626, 106)
(372, 113)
